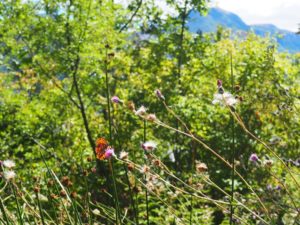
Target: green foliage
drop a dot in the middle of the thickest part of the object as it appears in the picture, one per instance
(53, 107)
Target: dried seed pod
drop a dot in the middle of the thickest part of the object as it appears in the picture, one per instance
(36, 189)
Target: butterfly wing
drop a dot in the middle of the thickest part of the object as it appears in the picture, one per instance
(101, 146)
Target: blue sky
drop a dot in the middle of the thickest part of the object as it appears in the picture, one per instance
(284, 14)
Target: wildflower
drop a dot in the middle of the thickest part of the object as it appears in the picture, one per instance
(145, 169)
(150, 186)
(253, 158)
(201, 167)
(268, 162)
(130, 167)
(159, 94)
(220, 87)
(123, 155)
(151, 117)
(65, 180)
(50, 183)
(36, 189)
(237, 87)
(131, 106)
(277, 188)
(89, 159)
(8, 164)
(62, 193)
(109, 152)
(224, 99)
(74, 194)
(9, 175)
(141, 111)
(116, 99)
(219, 83)
(157, 162)
(53, 196)
(149, 145)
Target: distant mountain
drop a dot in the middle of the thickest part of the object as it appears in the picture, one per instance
(287, 40)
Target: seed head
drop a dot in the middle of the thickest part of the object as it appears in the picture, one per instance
(94, 170)
(53, 196)
(131, 106)
(109, 152)
(268, 163)
(89, 159)
(9, 175)
(145, 169)
(201, 167)
(151, 117)
(8, 164)
(149, 146)
(123, 155)
(219, 83)
(141, 111)
(74, 194)
(253, 158)
(159, 94)
(62, 193)
(36, 189)
(50, 183)
(130, 167)
(115, 99)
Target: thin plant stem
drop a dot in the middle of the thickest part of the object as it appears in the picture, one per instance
(132, 200)
(131, 196)
(51, 175)
(191, 211)
(117, 207)
(165, 169)
(146, 191)
(218, 156)
(52, 205)
(115, 191)
(202, 197)
(17, 202)
(232, 148)
(287, 191)
(40, 208)
(216, 202)
(241, 123)
(87, 199)
(4, 212)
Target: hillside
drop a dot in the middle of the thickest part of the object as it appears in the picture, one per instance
(287, 41)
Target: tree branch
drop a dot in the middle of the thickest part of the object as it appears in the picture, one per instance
(132, 16)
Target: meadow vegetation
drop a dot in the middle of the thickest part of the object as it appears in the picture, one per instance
(117, 114)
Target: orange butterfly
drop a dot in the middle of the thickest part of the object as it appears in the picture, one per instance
(101, 146)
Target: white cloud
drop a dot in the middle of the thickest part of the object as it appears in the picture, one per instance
(284, 14)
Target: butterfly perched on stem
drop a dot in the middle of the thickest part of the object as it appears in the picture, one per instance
(101, 146)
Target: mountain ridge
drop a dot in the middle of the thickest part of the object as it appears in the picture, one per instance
(287, 40)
